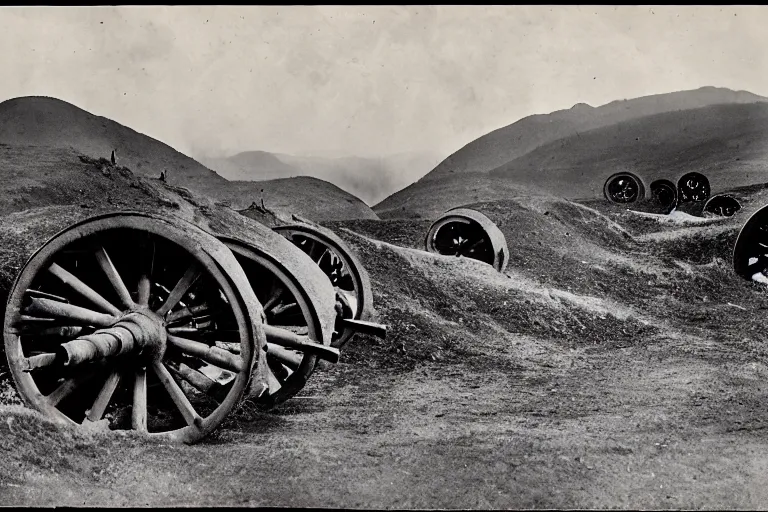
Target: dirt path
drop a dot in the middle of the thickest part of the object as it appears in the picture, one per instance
(675, 424)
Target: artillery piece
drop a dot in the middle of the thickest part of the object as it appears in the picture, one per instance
(155, 325)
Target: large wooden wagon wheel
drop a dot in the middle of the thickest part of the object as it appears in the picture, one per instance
(348, 277)
(470, 234)
(293, 327)
(99, 324)
(750, 253)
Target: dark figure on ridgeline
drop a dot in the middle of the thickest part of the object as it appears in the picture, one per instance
(114, 158)
(162, 175)
(262, 200)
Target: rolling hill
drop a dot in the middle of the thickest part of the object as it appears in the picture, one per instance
(726, 143)
(42, 121)
(303, 195)
(510, 142)
(571, 153)
(55, 125)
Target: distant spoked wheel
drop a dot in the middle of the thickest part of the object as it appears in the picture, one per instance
(664, 195)
(293, 327)
(114, 320)
(750, 253)
(623, 187)
(354, 299)
(693, 187)
(470, 234)
(722, 206)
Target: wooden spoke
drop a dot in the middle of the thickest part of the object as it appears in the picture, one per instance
(197, 379)
(290, 359)
(184, 330)
(273, 384)
(139, 409)
(83, 289)
(44, 295)
(67, 387)
(177, 395)
(24, 320)
(275, 296)
(145, 284)
(282, 308)
(285, 338)
(105, 395)
(210, 354)
(39, 361)
(114, 278)
(189, 312)
(228, 346)
(64, 331)
(143, 290)
(181, 288)
(53, 309)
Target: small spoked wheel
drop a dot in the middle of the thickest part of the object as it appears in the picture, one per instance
(722, 206)
(664, 195)
(470, 234)
(354, 298)
(293, 327)
(623, 187)
(693, 187)
(115, 321)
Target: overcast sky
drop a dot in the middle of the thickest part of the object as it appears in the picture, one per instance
(366, 80)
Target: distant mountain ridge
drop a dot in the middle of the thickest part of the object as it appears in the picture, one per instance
(369, 178)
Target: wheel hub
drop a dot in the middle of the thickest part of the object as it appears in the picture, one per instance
(140, 331)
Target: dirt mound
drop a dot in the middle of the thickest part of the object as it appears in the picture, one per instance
(307, 197)
(428, 199)
(408, 233)
(442, 308)
(587, 258)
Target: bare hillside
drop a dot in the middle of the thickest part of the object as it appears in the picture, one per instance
(727, 143)
(544, 134)
(40, 134)
(510, 142)
(303, 195)
(42, 121)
